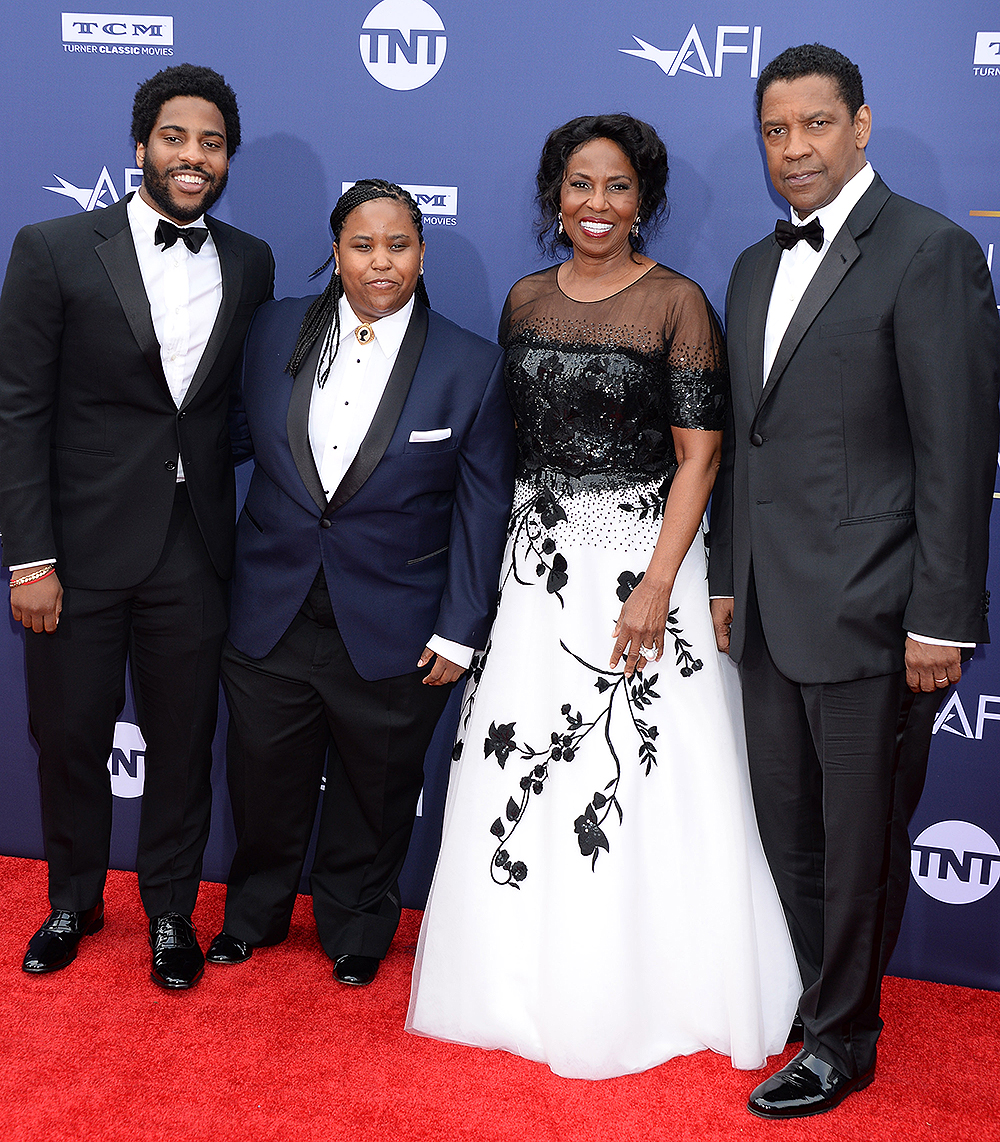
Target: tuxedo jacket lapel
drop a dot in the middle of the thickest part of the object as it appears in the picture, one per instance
(387, 414)
(297, 423)
(760, 298)
(122, 266)
(231, 263)
(842, 254)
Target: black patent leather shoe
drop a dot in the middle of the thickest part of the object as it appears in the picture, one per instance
(796, 1032)
(226, 949)
(55, 943)
(355, 971)
(177, 960)
(807, 1085)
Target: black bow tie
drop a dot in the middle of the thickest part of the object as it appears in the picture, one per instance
(167, 234)
(786, 234)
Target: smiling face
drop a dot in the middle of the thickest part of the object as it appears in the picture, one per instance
(599, 199)
(379, 256)
(184, 162)
(813, 146)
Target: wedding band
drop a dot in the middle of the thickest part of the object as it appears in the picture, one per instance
(940, 680)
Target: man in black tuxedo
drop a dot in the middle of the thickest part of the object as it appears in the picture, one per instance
(119, 332)
(849, 540)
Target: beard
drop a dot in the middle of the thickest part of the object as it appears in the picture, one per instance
(160, 191)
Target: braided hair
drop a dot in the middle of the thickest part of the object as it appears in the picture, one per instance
(327, 305)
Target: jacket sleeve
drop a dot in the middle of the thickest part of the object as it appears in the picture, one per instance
(31, 326)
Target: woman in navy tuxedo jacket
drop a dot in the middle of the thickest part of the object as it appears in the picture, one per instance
(366, 576)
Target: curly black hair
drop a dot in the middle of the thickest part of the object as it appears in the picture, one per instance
(639, 143)
(327, 305)
(185, 79)
(814, 59)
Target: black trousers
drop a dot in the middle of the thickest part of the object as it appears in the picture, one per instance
(837, 770)
(286, 711)
(172, 626)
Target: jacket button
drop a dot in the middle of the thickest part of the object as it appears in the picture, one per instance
(325, 523)
(756, 439)
(181, 415)
(170, 465)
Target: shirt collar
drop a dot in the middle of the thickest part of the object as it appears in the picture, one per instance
(389, 331)
(834, 214)
(141, 214)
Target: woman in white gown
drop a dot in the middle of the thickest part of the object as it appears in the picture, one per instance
(601, 901)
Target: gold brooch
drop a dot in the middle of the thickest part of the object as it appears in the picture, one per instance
(364, 333)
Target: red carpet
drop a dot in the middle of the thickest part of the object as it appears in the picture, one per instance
(274, 1051)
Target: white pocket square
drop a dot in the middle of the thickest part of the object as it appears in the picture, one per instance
(418, 437)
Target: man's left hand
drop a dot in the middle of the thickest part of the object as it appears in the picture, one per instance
(930, 667)
(442, 672)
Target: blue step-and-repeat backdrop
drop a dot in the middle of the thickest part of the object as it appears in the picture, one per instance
(454, 99)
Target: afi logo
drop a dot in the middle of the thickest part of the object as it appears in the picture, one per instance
(730, 39)
(953, 719)
(93, 197)
(430, 199)
(105, 28)
(403, 43)
(127, 762)
(955, 862)
(987, 48)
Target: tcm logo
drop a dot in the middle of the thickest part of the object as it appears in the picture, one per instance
(403, 44)
(102, 28)
(955, 862)
(986, 60)
(435, 202)
(102, 193)
(953, 719)
(127, 762)
(730, 39)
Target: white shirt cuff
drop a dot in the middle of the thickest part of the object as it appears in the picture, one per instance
(33, 563)
(453, 651)
(937, 641)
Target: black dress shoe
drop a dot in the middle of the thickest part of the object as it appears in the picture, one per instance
(355, 971)
(796, 1032)
(55, 943)
(177, 960)
(807, 1085)
(226, 949)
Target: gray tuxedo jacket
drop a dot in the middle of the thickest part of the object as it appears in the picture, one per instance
(858, 477)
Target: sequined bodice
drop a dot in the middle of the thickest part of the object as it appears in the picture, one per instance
(596, 386)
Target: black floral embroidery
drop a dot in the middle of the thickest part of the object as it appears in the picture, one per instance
(637, 693)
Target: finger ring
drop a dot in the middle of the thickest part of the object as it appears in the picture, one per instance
(647, 653)
(940, 680)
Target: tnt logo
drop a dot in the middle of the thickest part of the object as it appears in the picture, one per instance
(987, 48)
(403, 43)
(127, 762)
(955, 862)
(730, 39)
(105, 28)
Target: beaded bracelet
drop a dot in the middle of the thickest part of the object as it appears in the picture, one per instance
(35, 576)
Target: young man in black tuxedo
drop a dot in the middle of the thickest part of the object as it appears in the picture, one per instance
(119, 332)
(849, 539)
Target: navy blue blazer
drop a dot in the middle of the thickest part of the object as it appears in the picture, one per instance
(412, 538)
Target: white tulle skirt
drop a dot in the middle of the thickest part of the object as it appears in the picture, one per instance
(601, 902)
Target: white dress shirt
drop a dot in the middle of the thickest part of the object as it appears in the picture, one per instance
(795, 271)
(342, 411)
(184, 291)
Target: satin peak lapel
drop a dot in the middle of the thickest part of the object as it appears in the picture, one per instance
(231, 264)
(297, 423)
(122, 266)
(387, 414)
